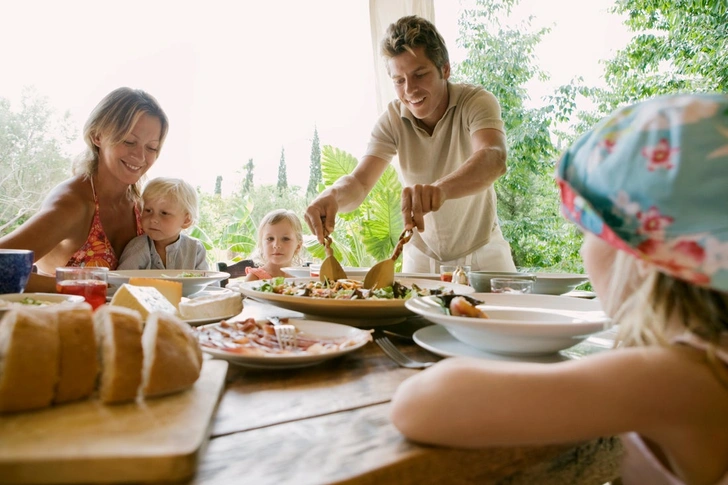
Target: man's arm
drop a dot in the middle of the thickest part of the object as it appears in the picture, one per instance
(486, 164)
(346, 194)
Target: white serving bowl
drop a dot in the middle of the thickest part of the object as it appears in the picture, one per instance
(15, 300)
(351, 271)
(557, 283)
(519, 324)
(190, 284)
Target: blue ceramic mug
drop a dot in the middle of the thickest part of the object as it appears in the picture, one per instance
(15, 268)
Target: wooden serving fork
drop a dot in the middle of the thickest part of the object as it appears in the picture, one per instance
(381, 274)
(330, 270)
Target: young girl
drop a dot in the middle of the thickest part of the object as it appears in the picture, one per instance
(169, 206)
(280, 239)
(649, 188)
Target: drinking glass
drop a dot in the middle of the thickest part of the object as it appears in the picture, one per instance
(88, 282)
(511, 285)
(447, 270)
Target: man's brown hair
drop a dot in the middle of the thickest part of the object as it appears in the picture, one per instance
(409, 32)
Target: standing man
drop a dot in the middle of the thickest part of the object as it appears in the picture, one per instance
(451, 147)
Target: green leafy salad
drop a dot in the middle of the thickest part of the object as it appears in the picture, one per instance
(345, 290)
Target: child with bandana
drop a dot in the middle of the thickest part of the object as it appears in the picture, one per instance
(649, 188)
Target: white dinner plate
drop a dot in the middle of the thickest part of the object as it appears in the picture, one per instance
(520, 324)
(304, 359)
(438, 340)
(190, 284)
(361, 313)
(354, 272)
(10, 300)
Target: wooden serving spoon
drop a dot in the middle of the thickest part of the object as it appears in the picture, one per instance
(381, 274)
(330, 270)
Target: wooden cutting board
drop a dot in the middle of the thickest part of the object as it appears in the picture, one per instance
(88, 442)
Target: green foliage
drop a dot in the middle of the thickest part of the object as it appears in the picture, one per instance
(678, 46)
(527, 198)
(369, 233)
(33, 142)
(314, 175)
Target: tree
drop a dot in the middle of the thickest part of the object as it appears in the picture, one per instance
(33, 142)
(218, 185)
(678, 46)
(527, 197)
(248, 181)
(282, 177)
(314, 174)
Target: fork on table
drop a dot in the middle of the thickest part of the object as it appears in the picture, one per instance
(396, 355)
(285, 333)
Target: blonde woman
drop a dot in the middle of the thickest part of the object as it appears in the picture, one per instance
(648, 188)
(88, 219)
(169, 206)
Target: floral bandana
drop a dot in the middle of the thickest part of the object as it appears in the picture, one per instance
(652, 180)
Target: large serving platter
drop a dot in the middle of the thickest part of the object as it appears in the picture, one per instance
(358, 312)
(519, 324)
(303, 359)
(16, 300)
(190, 284)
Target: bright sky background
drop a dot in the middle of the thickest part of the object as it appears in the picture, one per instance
(243, 79)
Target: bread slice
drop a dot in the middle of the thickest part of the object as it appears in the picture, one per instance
(28, 359)
(78, 361)
(119, 339)
(172, 355)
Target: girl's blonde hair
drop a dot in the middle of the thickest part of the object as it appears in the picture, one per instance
(273, 218)
(115, 116)
(172, 189)
(644, 306)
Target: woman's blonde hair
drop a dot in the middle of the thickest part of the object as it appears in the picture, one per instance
(273, 218)
(115, 116)
(172, 189)
(412, 31)
(645, 305)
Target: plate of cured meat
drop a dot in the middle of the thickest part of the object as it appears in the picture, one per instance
(253, 343)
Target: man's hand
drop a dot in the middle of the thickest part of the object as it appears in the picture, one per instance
(418, 200)
(321, 216)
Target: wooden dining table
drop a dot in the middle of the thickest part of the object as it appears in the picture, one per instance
(329, 423)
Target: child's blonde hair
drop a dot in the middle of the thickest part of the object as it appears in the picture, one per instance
(273, 218)
(645, 305)
(174, 189)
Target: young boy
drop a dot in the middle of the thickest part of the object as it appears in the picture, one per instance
(169, 206)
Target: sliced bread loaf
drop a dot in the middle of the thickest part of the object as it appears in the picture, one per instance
(29, 348)
(78, 360)
(172, 355)
(119, 341)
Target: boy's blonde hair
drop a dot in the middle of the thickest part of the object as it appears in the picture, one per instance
(173, 189)
(115, 116)
(412, 31)
(273, 218)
